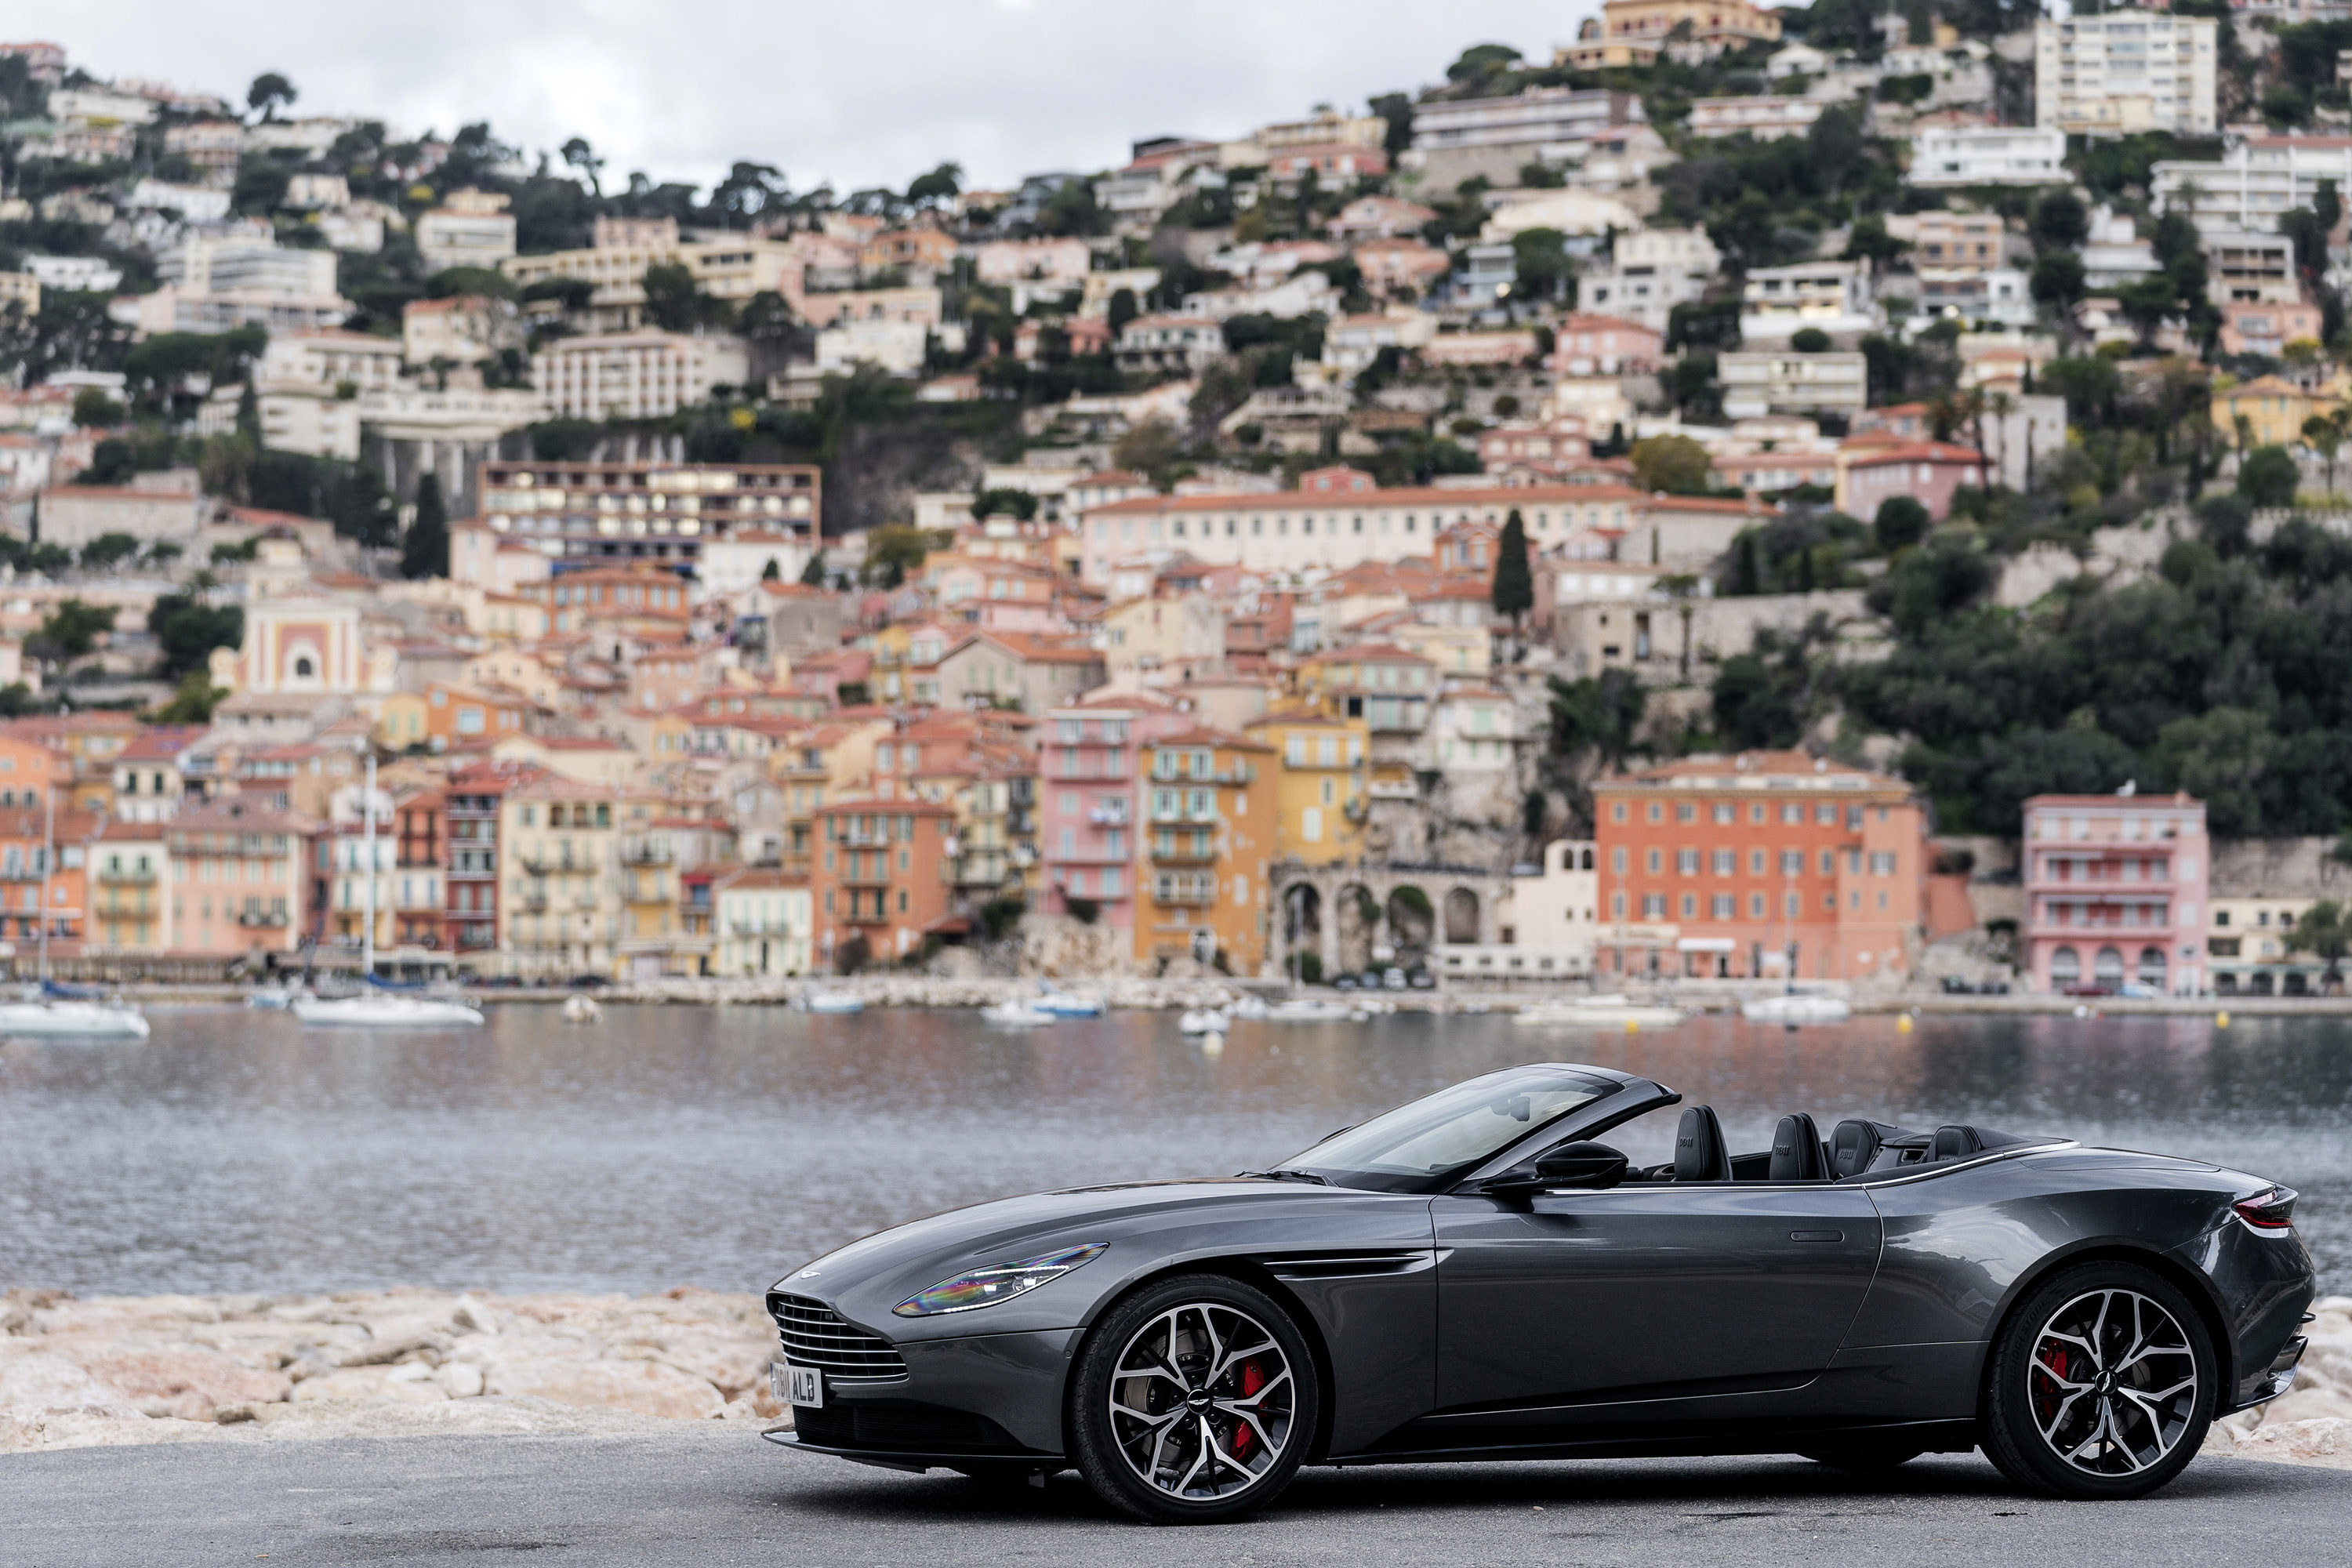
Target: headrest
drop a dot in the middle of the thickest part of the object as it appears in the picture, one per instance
(1853, 1147)
(1699, 1154)
(1797, 1151)
(1954, 1142)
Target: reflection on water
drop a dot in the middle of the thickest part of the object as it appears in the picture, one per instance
(239, 1152)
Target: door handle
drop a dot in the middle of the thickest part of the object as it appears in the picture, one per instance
(1816, 1236)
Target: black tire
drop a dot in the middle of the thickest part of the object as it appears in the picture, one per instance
(1858, 1457)
(2118, 1342)
(1221, 1439)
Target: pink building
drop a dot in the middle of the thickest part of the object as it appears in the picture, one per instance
(1872, 467)
(1086, 804)
(2115, 893)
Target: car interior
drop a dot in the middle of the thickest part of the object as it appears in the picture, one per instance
(1855, 1148)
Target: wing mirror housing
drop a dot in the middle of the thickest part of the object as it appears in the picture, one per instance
(1594, 1166)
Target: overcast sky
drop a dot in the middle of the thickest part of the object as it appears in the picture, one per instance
(861, 92)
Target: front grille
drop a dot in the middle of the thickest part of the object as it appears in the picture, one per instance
(816, 1335)
(912, 1428)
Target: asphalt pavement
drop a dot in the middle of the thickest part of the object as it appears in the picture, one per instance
(721, 1496)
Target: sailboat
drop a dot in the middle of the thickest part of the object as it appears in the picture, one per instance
(49, 1011)
(377, 1007)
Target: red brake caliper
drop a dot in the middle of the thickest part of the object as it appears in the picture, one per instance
(2055, 1359)
(1253, 1378)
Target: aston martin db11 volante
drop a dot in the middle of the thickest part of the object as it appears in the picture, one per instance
(1477, 1276)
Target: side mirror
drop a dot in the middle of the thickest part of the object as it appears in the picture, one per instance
(1590, 1165)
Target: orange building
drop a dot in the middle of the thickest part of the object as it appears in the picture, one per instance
(25, 863)
(882, 877)
(1744, 866)
(1211, 823)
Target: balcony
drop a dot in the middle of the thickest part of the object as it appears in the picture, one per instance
(127, 874)
(1239, 773)
(759, 928)
(1183, 855)
(1205, 813)
(263, 918)
(1108, 815)
(1184, 893)
(531, 903)
(648, 854)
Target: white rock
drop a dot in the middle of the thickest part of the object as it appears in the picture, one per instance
(459, 1380)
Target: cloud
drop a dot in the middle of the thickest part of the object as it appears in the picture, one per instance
(859, 94)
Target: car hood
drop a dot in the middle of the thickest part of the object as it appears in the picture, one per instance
(1140, 1225)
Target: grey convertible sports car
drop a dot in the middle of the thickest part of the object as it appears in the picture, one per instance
(1473, 1275)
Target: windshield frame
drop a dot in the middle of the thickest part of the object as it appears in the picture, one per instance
(1611, 1083)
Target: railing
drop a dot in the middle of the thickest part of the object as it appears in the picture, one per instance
(531, 903)
(1186, 856)
(263, 918)
(648, 854)
(127, 874)
(1108, 816)
(1184, 895)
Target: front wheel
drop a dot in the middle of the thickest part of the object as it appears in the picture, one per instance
(1194, 1401)
(2101, 1385)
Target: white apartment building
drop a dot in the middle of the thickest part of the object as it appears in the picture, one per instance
(73, 274)
(895, 347)
(1762, 115)
(1539, 116)
(1652, 270)
(732, 270)
(1831, 296)
(247, 263)
(2244, 268)
(1977, 294)
(2256, 180)
(1757, 383)
(463, 235)
(634, 376)
(330, 359)
(1989, 156)
(2124, 72)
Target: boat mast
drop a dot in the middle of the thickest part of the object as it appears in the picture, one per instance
(367, 935)
(48, 860)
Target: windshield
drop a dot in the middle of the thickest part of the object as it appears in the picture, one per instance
(1454, 1129)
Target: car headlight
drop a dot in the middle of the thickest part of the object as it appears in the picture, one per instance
(998, 1282)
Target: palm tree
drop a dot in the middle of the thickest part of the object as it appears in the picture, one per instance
(2323, 434)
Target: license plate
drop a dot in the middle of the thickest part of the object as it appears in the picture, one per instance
(797, 1384)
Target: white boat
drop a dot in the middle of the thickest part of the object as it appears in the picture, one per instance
(70, 1020)
(374, 1008)
(382, 1011)
(270, 998)
(1065, 1005)
(1251, 1005)
(1205, 1020)
(1612, 1012)
(1017, 1014)
(1308, 1010)
(1796, 1007)
(834, 1002)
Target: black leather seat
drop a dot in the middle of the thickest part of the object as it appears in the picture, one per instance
(1954, 1142)
(1853, 1147)
(1797, 1155)
(1699, 1152)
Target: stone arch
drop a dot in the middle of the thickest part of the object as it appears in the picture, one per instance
(1460, 915)
(1413, 919)
(1358, 914)
(1302, 921)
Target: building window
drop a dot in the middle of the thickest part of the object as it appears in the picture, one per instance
(1727, 862)
(1724, 906)
(1690, 906)
(1687, 862)
(1755, 906)
(1654, 906)
(1654, 860)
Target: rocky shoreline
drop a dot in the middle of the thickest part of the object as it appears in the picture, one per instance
(119, 1371)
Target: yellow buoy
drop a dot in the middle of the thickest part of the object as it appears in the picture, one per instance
(1903, 1024)
(2220, 1020)
(1632, 1026)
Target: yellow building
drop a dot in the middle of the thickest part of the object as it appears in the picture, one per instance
(400, 722)
(1320, 798)
(1209, 837)
(1460, 653)
(2275, 409)
(559, 914)
(1724, 24)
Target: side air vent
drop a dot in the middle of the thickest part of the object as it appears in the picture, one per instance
(915, 1428)
(815, 1335)
(1349, 1265)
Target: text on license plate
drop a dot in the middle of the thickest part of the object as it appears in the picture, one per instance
(798, 1384)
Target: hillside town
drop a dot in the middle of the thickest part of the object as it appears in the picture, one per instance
(1843, 495)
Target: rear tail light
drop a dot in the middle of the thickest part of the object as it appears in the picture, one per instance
(2270, 1211)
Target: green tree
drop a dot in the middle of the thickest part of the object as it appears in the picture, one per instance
(1868, 240)
(674, 302)
(192, 702)
(1123, 310)
(93, 409)
(1752, 709)
(109, 550)
(2323, 434)
(773, 572)
(73, 628)
(2060, 221)
(813, 575)
(2219, 756)
(581, 158)
(1597, 714)
(2323, 931)
(1539, 260)
(1675, 464)
(2267, 477)
(936, 188)
(896, 550)
(2146, 303)
(1809, 341)
(1902, 522)
(187, 629)
(269, 93)
(424, 549)
(1514, 589)
(2057, 280)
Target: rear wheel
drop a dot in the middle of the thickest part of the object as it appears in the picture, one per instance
(1193, 1402)
(2101, 1385)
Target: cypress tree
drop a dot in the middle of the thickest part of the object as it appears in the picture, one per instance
(1514, 592)
(425, 553)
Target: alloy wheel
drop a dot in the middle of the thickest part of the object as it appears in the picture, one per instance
(2112, 1383)
(1202, 1401)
